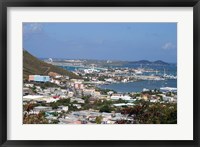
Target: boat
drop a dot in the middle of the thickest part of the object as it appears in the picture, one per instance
(168, 89)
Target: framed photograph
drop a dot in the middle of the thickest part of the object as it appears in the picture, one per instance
(99, 73)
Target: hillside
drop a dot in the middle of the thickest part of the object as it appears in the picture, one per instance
(158, 62)
(32, 65)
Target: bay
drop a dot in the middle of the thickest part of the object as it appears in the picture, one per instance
(138, 86)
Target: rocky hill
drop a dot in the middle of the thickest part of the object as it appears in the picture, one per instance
(32, 65)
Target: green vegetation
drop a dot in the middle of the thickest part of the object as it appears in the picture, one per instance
(104, 91)
(64, 102)
(152, 113)
(32, 66)
(106, 108)
(98, 119)
(35, 119)
(61, 102)
(151, 92)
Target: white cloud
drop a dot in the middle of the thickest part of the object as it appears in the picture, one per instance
(168, 46)
(36, 27)
(32, 27)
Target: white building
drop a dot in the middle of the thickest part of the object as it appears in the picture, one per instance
(168, 99)
(63, 108)
(28, 85)
(79, 100)
(123, 97)
(110, 92)
(123, 104)
(70, 94)
(78, 106)
(42, 108)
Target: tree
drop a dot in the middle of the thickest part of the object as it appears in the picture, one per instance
(106, 108)
(156, 113)
(54, 105)
(98, 119)
(28, 107)
(121, 101)
(34, 89)
(35, 119)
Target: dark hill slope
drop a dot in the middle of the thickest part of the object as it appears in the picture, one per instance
(32, 65)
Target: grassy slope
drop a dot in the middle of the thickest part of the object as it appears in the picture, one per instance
(32, 65)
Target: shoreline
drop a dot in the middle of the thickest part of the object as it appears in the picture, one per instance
(126, 87)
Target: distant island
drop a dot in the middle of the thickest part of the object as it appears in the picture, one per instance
(158, 62)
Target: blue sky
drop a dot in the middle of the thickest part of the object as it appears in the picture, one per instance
(109, 41)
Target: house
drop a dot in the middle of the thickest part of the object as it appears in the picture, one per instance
(77, 80)
(54, 75)
(67, 77)
(78, 106)
(63, 96)
(92, 100)
(96, 94)
(42, 108)
(63, 108)
(50, 100)
(109, 80)
(70, 94)
(55, 81)
(26, 91)
(78, 85)
(32, 97)
(110, 92)
(120, 96)
(145, 97)
(56, 97)
(168, 99)
(88, 91)
(39, 78)
(78, 100)
(154, 100)
(123, 104)
(28, 85)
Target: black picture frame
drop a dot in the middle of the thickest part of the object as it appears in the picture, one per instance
(4, 4)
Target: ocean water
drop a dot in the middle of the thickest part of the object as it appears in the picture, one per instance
(70, 68)
(138, 86)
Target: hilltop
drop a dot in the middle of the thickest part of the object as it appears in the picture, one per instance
(32, 65)
(158, 62)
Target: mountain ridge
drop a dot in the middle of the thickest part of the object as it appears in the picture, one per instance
(32, 66)
(157, 62)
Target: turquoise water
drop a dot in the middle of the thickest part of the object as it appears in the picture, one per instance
(74, 68)
(71, 68)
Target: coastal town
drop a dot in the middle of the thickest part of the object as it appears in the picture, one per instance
(58, 99)
(99, 73)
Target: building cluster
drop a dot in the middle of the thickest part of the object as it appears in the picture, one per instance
(51, 77)
(118, 75)
(93, 117)
(83, 92)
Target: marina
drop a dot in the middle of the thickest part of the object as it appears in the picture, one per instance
(135, 77)
(138, 86)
